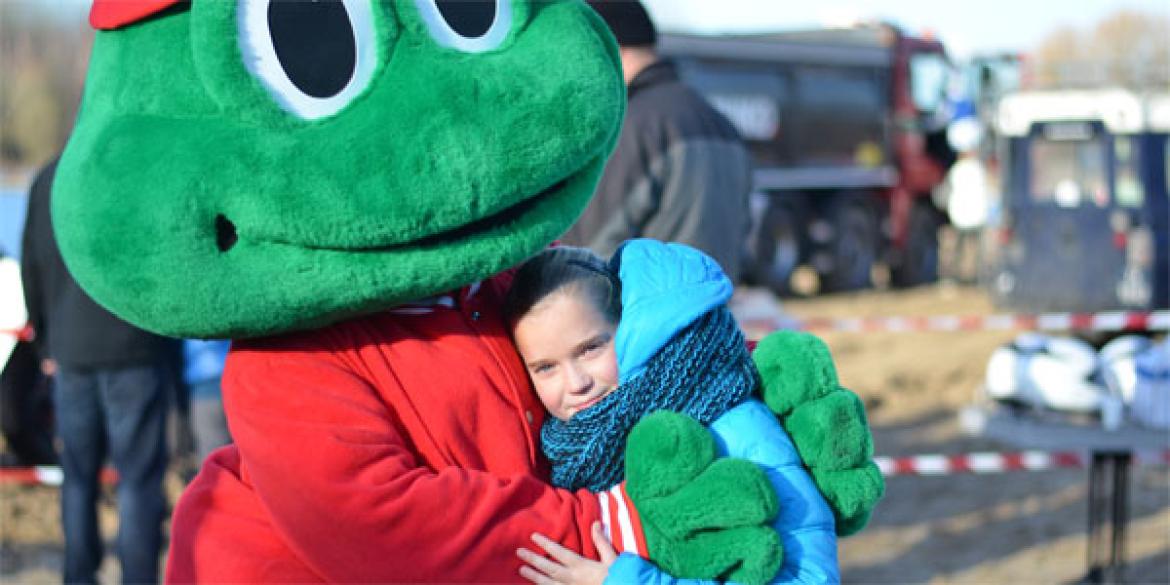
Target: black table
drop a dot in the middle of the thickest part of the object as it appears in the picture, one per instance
(1110, 460)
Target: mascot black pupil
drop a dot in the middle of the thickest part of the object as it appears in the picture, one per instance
(314, 42)
(468, 18)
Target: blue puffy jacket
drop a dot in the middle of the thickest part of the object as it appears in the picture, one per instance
(203, 359)
(664, 288)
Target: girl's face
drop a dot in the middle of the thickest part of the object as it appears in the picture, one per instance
(567, 346)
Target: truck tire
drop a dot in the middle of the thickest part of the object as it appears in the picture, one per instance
(775, 249)
(854, 247)
(918, 262)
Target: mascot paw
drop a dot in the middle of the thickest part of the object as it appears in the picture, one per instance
(831, 432)
(794, 368)
(703, 518)
(852, 494)
(750, 555)
(827, 423)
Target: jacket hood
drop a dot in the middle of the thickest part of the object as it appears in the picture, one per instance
(665, 287)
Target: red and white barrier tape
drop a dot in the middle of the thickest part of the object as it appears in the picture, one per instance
(50, 475)
(23, 334)
(983, 463)
(980, 463)
(1110, 321)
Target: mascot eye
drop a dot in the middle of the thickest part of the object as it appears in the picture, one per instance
(313, 56)
(471, 26)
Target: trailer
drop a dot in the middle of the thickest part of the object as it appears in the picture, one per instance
(1085, 223)
(847, 130)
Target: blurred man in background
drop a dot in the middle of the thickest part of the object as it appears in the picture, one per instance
(112, 384)
(680, 172)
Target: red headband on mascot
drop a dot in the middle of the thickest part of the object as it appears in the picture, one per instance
(111, 14)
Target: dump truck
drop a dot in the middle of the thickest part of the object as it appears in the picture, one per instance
(847, 128)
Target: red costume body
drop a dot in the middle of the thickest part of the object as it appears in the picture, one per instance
(400, 447)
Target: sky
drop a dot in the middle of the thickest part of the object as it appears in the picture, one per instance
(964, 26)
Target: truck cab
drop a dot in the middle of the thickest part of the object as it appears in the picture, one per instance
(1085, 205)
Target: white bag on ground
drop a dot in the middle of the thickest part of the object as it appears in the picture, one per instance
(1118, 367)
(1044, 371)
(1151, 395)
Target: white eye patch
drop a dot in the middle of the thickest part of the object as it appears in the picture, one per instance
(313, 56)
(470, 26)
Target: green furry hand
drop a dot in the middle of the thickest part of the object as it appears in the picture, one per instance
(826, 422)
(702, 518)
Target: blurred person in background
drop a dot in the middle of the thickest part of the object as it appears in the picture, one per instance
(112, 387)
(203, 361)
(680, 172)
(966, 196)
(25, 405)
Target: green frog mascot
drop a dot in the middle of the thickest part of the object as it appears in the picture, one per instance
(341, 187)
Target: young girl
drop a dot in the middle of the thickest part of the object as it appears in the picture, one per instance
(606, 344)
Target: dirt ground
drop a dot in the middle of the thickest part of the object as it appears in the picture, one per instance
(1023, 527)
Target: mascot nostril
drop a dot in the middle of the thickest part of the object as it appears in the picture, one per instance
(225, 233)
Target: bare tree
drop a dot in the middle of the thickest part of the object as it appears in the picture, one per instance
(1134, 48)
(1128, 49)
(43, 57)
(1059, 59)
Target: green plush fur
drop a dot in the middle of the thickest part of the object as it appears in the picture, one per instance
(852, 494)
(834, 431)
(703, 518)
(335, 217)
(827, 423)
(795, 368)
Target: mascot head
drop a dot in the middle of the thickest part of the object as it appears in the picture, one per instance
(246, 167)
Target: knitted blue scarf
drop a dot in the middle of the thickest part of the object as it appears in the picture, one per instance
(702, 372)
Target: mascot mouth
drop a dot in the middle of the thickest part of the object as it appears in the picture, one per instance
(227, 235)
(501, 217)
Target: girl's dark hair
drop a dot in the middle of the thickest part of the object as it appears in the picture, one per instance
(554, 269)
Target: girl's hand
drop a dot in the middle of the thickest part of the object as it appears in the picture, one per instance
(567, 567)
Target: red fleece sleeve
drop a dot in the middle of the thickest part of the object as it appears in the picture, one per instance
(345, 491)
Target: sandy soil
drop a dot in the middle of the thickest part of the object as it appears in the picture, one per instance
(1007, 528)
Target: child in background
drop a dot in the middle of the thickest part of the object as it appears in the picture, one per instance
(605, 345)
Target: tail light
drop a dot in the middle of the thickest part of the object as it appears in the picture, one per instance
(1120, 222)
(1120, 240)
(1005, 235)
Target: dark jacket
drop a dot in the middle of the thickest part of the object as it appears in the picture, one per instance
(70, 327)
(680, 173)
